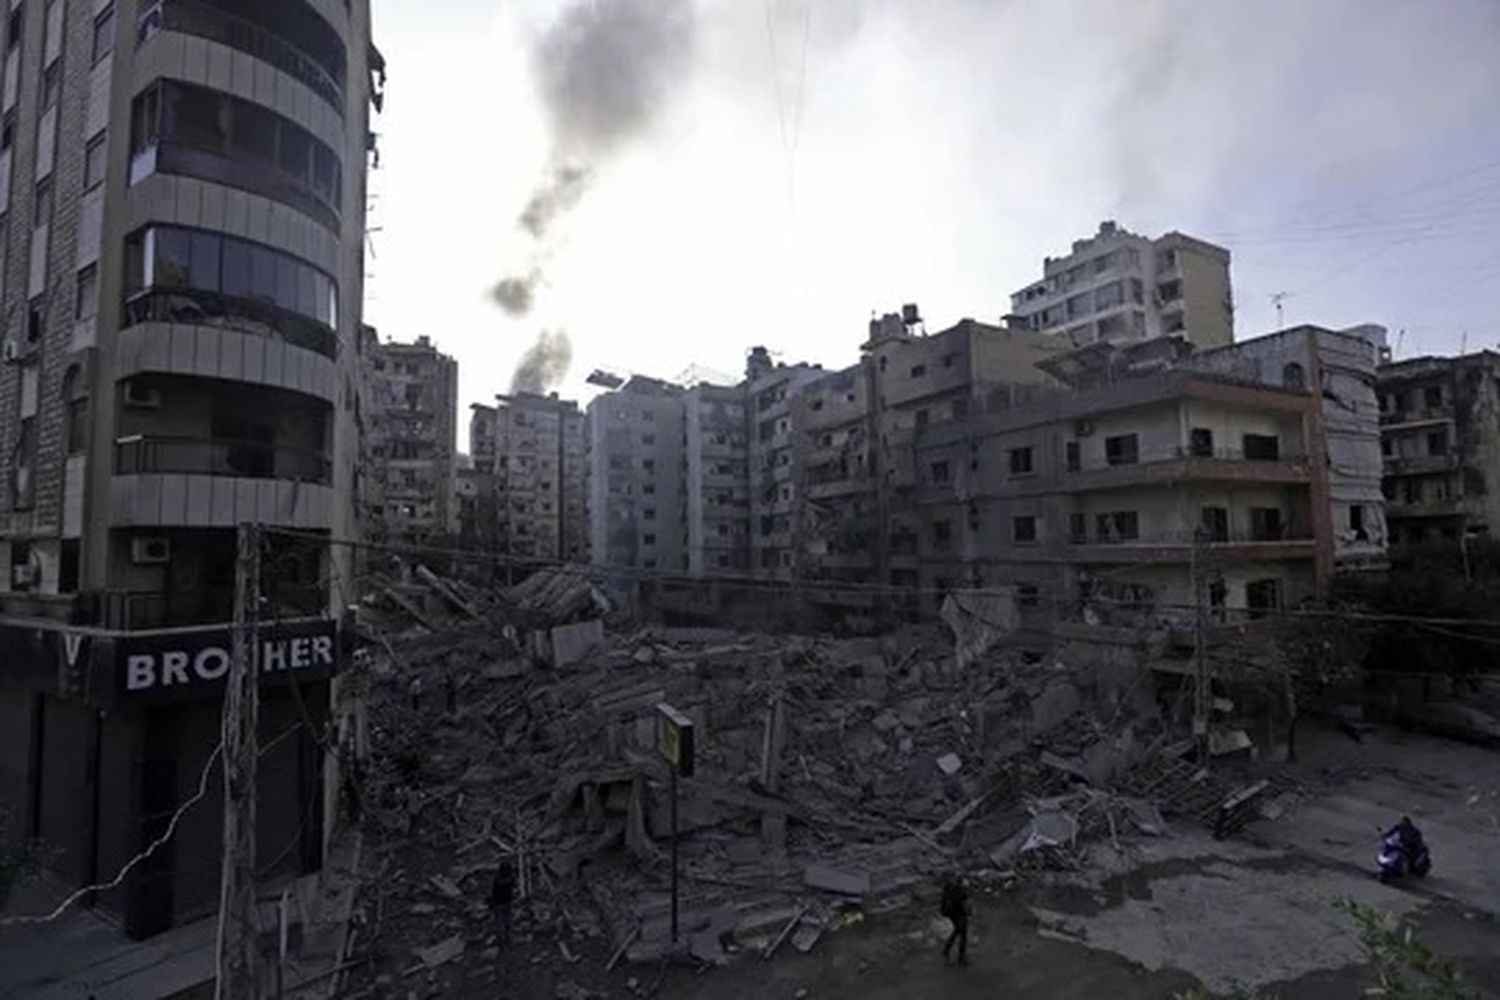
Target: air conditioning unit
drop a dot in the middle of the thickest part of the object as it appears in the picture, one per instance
(1083, 428)
(150, 550)
(141, 395)
(25, 575)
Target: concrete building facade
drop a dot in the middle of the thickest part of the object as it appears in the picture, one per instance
(530, 452)
(637, 496)
(1119, 286)
(409, 417)
(1440, 441)
(774, 456)
(182, 276)
(717, 480)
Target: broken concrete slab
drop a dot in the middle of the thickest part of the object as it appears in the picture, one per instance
(830, 879)
(1054, 706)
(571, 643)
(949, 764)
(806, 936)
(444, 951)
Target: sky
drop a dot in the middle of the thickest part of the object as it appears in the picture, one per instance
(783, 169)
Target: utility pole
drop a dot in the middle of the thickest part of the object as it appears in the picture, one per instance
(1202, 691)
(238, 958)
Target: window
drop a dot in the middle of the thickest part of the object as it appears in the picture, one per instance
(1262, 447)
(648, 514)
(23, 466)
(1262, 596)
(1386, 446)
(1078, 531)
(921, 419)
(41, 206)
(1169, 291)
(1023, 528)
(1137, 291)
(1411, 491)
(917, 371)
(1216, 524)
(1294, 376)
(648, 563)
(1201, 442)
(1437, 442)
(1110, 326)
(1117, 526)
(1357, 522)
(13, 28)
(1027, 595)
(86, 304)
(1265, 524)
(8, 132)
(1080, 305)
(949, 358)
(94, 162)
(67, 566)
(1123, 449)
(648, 439)
(1073, 458)
(942, 533)
(941, 475)
(1020, 461)
(960, 407)
(1109, 296)
(1432, 397)
(648, 539)
(51, 82)
(104, 33)
(75, 428)
(36, 319)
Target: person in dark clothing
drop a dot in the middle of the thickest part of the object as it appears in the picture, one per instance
(955, 906)
(1410, 837)
(502, 891)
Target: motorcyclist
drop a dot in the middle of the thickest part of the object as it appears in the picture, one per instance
(1408, 836)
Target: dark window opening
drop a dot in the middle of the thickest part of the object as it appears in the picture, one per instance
(1023, 528)
(1262, 447)
(918, 371)
(41, 206)
(1028, 595)
(1262, 597)
(67, 566)
(1078, 531)
(1216, 524)
(1357, 522)
(1201, 442)
(1437, 442)
(940, 474)
(1073, 456)
(942, 534)
(1117, 526)
(1266, 524)
(1432, 397)
(1123, 449)
(1020, 461)
(36, 320)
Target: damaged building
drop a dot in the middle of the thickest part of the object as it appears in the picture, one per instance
(1440, 439)
(410, 438)
(529, 478)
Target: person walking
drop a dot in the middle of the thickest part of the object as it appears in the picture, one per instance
(502, 890)
(955, 906)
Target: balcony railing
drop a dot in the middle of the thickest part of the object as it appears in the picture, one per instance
(231, 312)
(203, 605)
(218, 25)
(1186, 537)
(220, 457)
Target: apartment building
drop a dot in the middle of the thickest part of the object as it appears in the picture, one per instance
(1440, 440)
(182, 280)
(770, 389)
(637, 496)
(1119, 286)
(529, 453)
(717, 480)
(839, 517)
(1101, 497)
(409, 415)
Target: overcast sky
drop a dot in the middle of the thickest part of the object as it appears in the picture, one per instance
(810, 161)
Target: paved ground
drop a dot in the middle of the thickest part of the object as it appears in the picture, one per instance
(1257, 910)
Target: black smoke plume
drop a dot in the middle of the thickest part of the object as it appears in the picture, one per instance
(544, 364)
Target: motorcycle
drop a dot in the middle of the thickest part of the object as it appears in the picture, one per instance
(1394, 861)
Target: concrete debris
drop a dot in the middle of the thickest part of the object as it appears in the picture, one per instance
(848, 883)
(830, 773)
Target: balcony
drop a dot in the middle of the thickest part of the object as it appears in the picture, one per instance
(1177, 547)
(1419, 465)
(215, 457)
(131, 610)
(1173, 465)
(230, 312)
(1397, 419)
(209, 21)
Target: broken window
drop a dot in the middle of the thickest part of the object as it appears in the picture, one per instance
(1023, 528)
(940, 474)
(1432, 397)
(1357, 522)
(1262, 447)
(1262, 597)
(1293, 376)
(1123, 449)
(67, 566)
(1201, 442)
(1117, 526)
(1073, 456)
(1266, 524)
(1020, 461)
(36, 320)
(1437, 442)
(1216, 524)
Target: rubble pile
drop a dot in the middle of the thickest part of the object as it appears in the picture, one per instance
(834, 778)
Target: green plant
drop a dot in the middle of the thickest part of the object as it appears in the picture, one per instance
(1404, 967)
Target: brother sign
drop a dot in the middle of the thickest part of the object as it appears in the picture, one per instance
(189, 663)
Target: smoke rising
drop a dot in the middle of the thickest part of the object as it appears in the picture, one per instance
(544, 364)
(603, 71)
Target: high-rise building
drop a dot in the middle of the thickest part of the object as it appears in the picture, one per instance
(1118, 286)
(1441, 443)
(774, 455)
(531, 448)
(184, 186)
(637, 499)
(717, 480)
(410, 439)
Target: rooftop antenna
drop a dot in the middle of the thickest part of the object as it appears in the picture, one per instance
(1276, 300)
